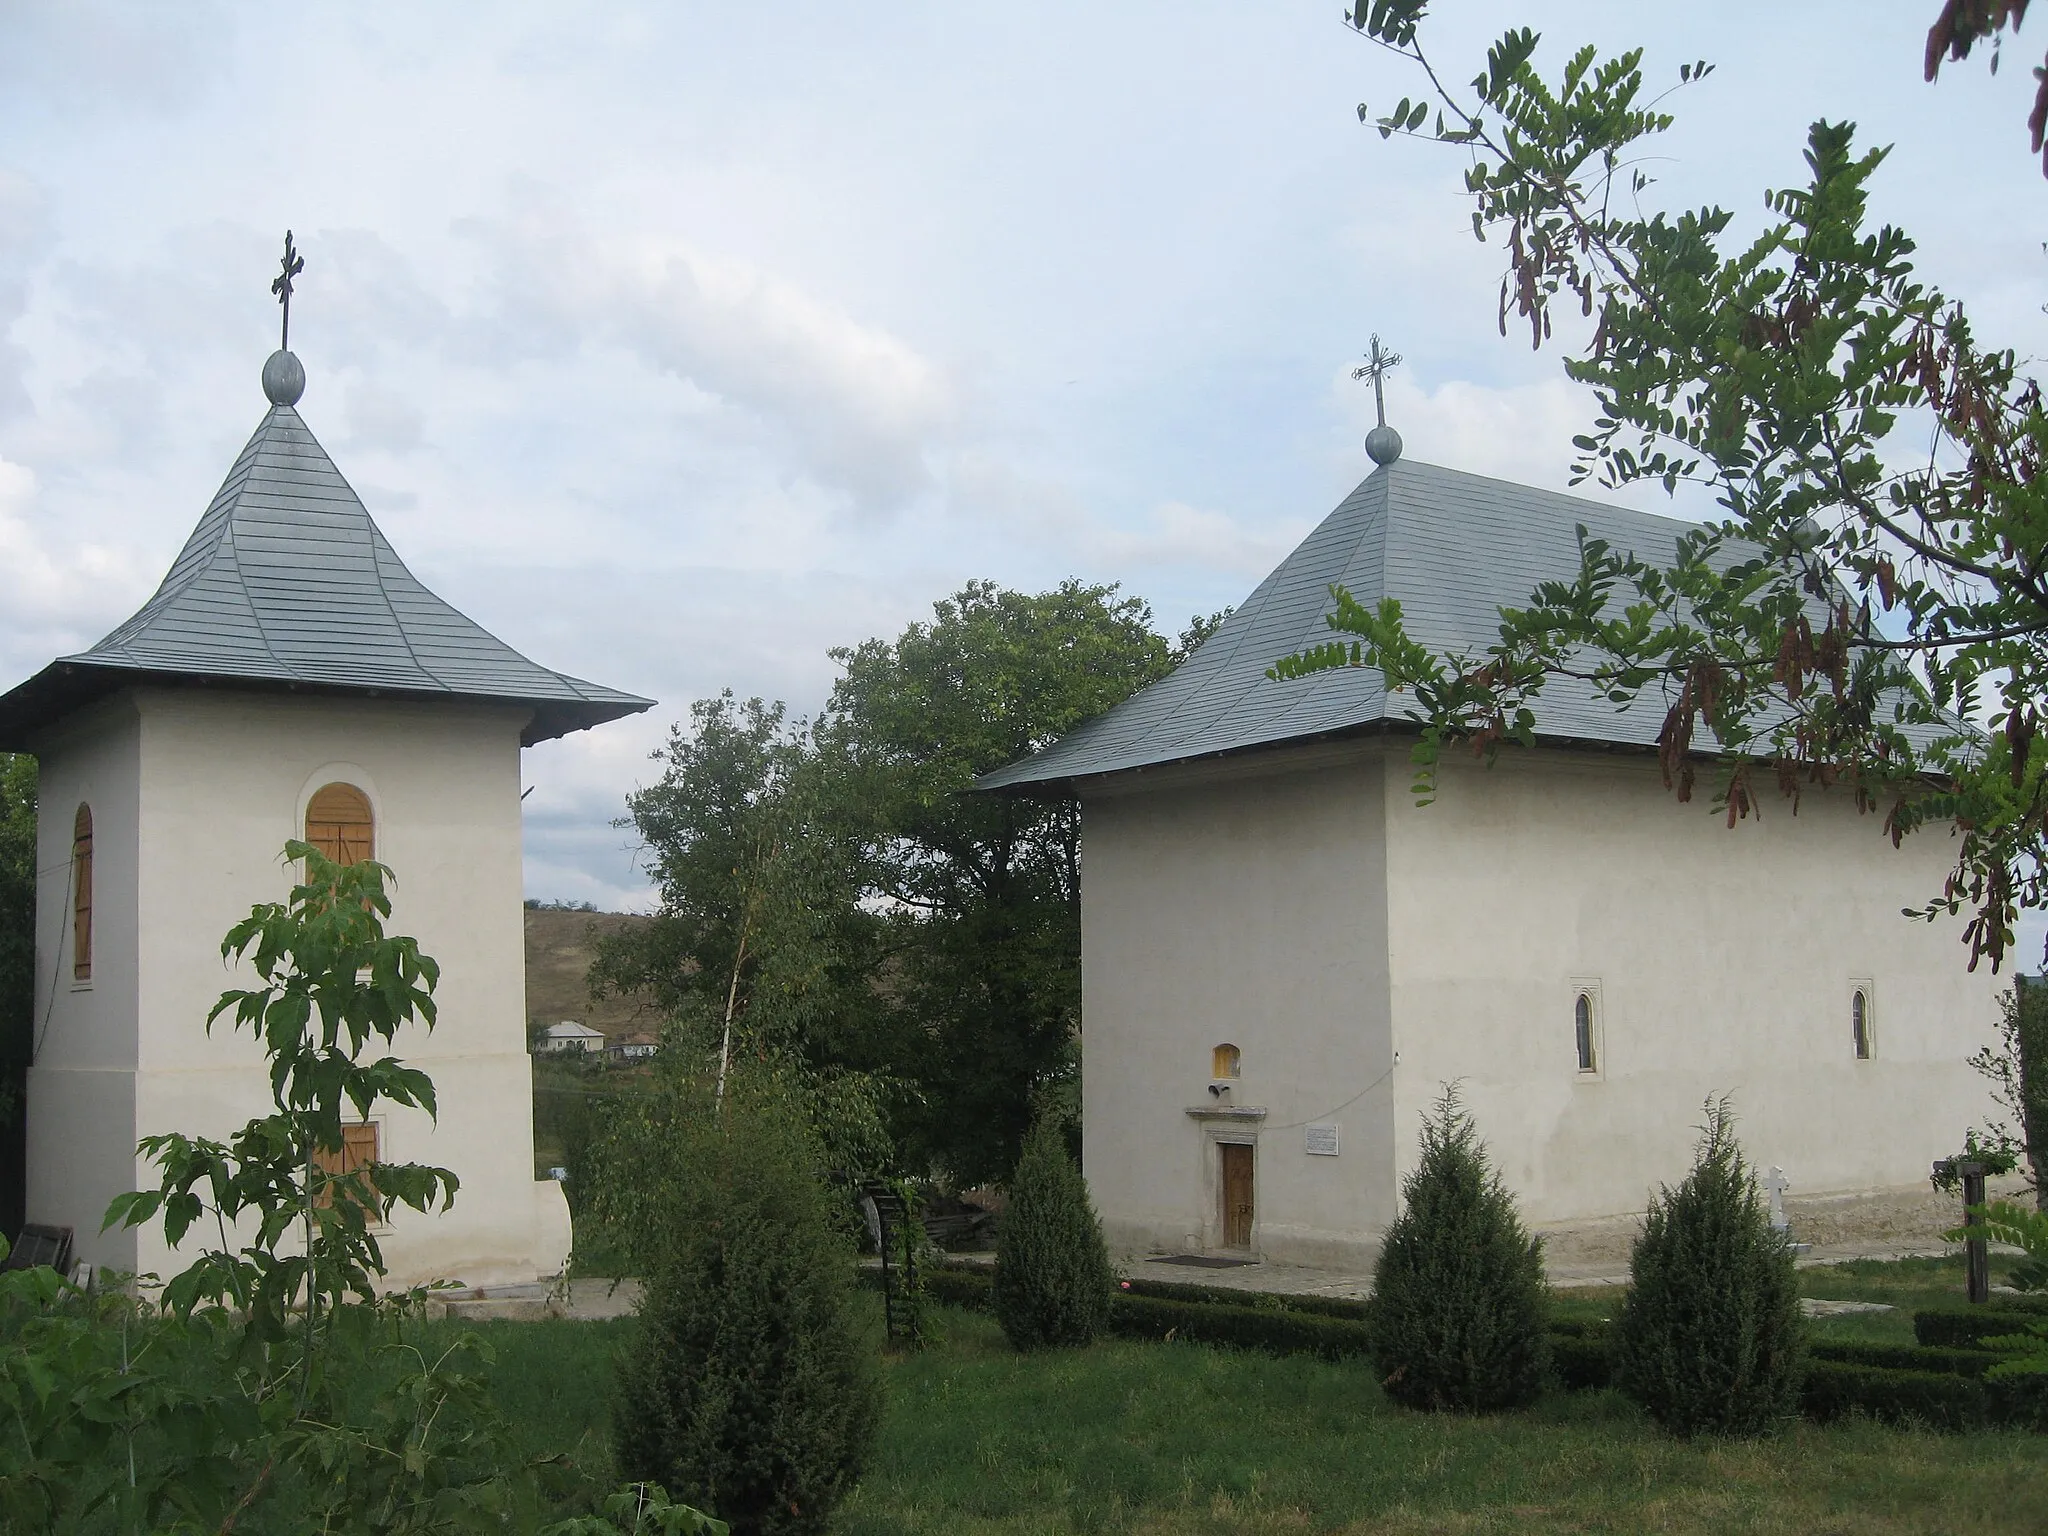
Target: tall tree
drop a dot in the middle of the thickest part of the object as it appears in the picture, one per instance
(17, 976)
(760, 943)
(1879, 576)
(983, 891)
(17, 905)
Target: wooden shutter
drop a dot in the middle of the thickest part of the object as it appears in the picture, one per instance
(339, 823)
(81, 895)
(359, 1148)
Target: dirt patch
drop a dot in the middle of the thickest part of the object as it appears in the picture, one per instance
(1910, 1218)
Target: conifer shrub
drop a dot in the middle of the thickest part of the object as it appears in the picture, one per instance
(1053, 1278)
(1710, 1339)
(1458, 1299)
(748, 1389)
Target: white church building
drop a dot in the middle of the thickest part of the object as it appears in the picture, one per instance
(1285, 958)
(290, 679)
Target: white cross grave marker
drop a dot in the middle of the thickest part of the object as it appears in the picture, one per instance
(1775, 1184)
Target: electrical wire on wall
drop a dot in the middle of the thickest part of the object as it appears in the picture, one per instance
(70, 884)
(1295, 1125)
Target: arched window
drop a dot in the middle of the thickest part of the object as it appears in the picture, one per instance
(340, 825)
(81, 894)
(1582, 1022)
(1223, 1062)
(1859, 1022)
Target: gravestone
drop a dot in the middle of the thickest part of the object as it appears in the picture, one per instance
(1775, 1184)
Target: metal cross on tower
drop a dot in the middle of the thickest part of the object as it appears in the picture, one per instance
(293, 264)
(1379, 363)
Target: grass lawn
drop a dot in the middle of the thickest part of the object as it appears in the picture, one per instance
(1167, 1439)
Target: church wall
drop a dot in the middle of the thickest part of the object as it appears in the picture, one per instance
(1721, 961)
(81, 1084)
(225, 780)
(1247, 910)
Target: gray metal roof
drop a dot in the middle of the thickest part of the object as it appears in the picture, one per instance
(287, 583)
(1453, 548)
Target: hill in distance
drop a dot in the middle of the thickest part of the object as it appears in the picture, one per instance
(559, 949)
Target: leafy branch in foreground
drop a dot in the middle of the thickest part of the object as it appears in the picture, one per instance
(1879, 575)
(282, 1391)
(331, 982)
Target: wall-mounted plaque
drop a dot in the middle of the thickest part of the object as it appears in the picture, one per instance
(1319, 1140)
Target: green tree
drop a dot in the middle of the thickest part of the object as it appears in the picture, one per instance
(1053, 1277)
(748, 1385)
(1710, 1339)
(1875, 580)
(760, 941)
(2017, 1065)
(1458, 1295)
(982, 891)
(17, 930)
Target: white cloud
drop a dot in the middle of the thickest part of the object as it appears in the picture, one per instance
(857, 408)
(615, 323)
(58, 593)
(25, 237)
(1178, 534)
(1518, 432)
(381, 419)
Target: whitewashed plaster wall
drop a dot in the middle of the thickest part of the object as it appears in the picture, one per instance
(1241, 905)
(81, 1082)
(1300, 905)
(1722, 962)
(224, 779)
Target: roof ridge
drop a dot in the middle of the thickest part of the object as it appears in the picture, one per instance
(227, 539)
(1271, 586)
(377, 544)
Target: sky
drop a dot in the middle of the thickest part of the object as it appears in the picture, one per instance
(679, 343)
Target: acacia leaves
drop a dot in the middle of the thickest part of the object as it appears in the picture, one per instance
(1877, 582)
(331, 982)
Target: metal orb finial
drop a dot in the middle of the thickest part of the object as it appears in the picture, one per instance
(284, 378)
(1382, 443)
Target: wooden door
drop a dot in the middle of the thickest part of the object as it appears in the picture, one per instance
(1237, 1194)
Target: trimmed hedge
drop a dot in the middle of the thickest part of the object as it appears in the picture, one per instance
(1270, 1329)
(1907, 1357)
(1965, 1327)
(1835, 1388)
(1941, 1386)
(973, 1289)
(1216, 1295)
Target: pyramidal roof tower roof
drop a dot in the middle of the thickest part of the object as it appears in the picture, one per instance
(1454, 548)
(288, 585)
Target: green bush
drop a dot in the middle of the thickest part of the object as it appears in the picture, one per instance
(748, 1388)
(1053, 1280)
(1271, 1330)
(1710, 1336)
(1834, 1388)
(1966, 1327)
(1458, 1294)
(1325, 1306)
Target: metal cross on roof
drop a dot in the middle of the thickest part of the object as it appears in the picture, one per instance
(1379, 363)
(281, 285)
